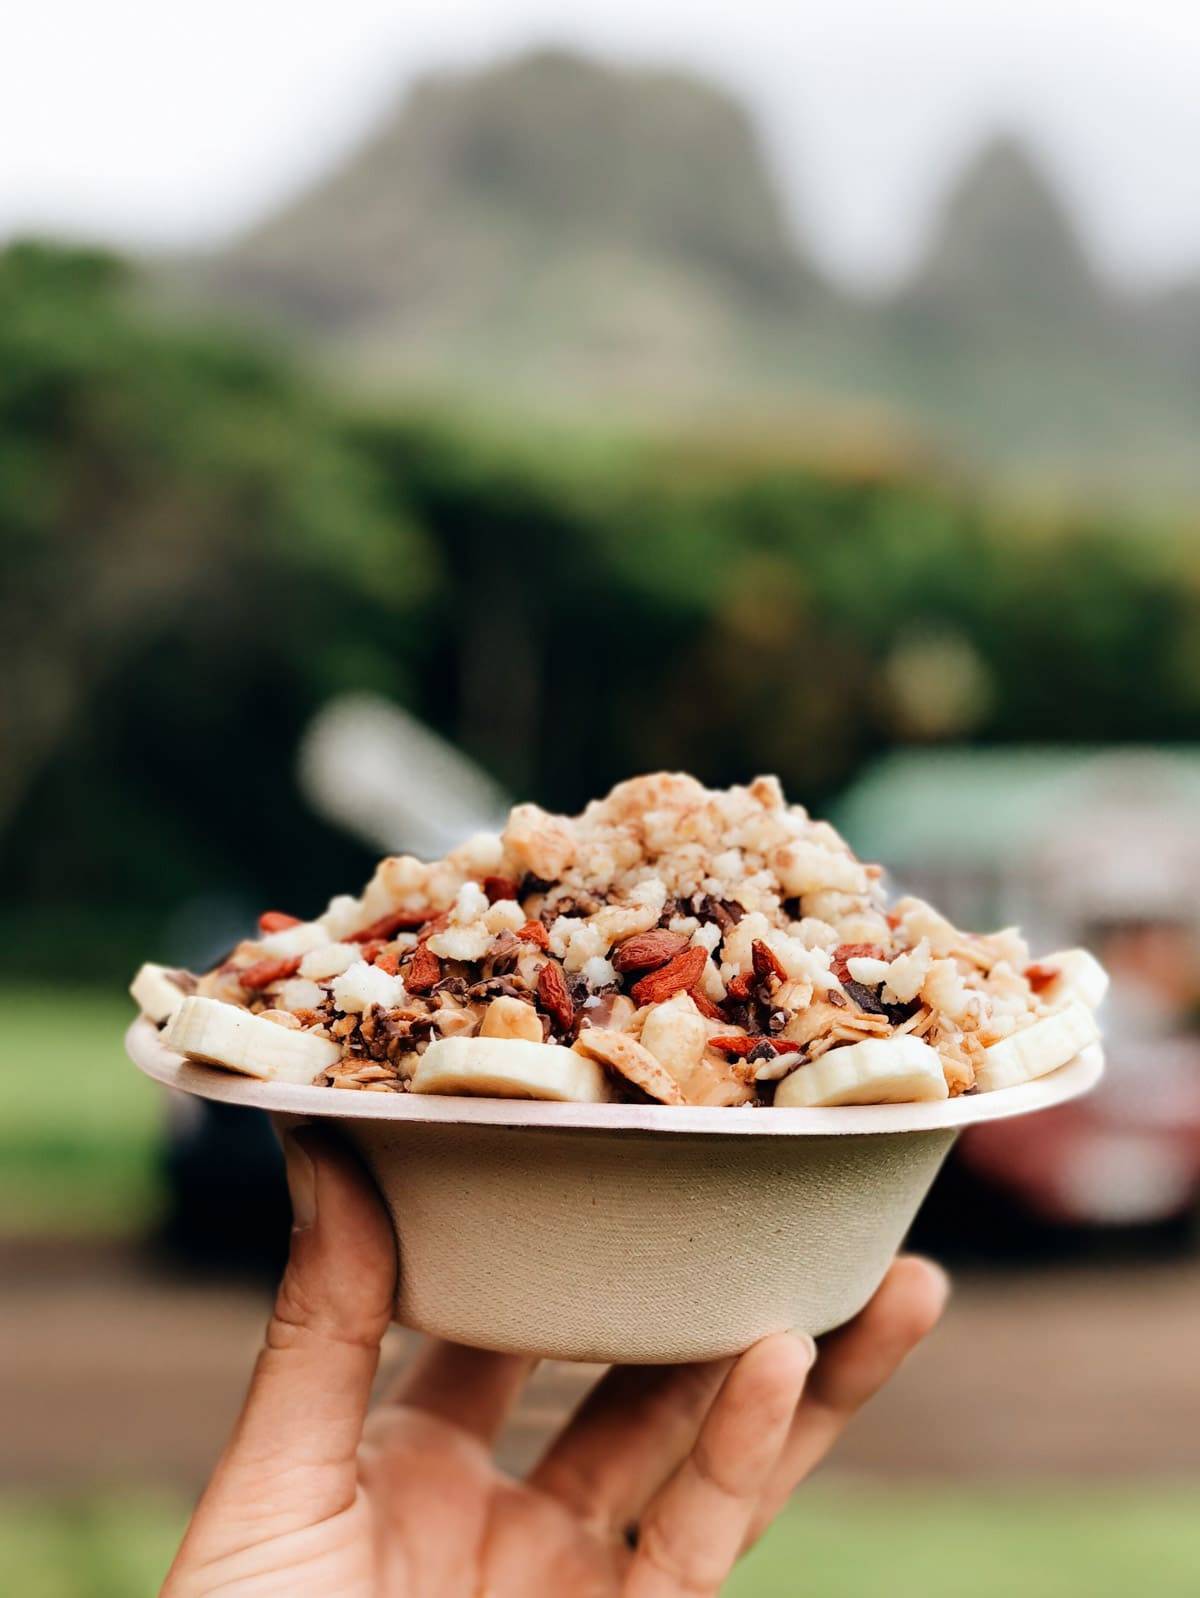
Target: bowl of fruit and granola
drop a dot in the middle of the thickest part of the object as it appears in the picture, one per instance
(643, 1084)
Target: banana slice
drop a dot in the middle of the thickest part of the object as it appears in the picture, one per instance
(155, 992)
(223, 1034)
(1079, 975)
(510, 1068)
(877, 1071)
(1038, 1049)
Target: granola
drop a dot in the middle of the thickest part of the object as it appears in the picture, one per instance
(704, 946)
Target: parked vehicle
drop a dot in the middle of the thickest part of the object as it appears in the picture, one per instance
(1092, 847)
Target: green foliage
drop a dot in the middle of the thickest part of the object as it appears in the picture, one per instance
(729, 618)
(179, 519)
(202, 545)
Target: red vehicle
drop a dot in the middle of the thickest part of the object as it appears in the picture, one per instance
(1092, 847)
(1129, 1154)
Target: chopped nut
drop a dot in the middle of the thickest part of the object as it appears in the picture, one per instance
(454, 1020)
(716, 1083)
(611, 1010)
(283, 1018)
(424, 971)
(676, 1033)
(511, 1018)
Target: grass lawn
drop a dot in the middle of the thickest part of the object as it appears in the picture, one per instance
(81, 1127)
(859, 1540)
(843, 1540)
(103, 1546)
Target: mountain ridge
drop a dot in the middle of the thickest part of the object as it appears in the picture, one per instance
(557, 230)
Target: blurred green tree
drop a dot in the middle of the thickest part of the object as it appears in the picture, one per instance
(202, 542)
(183, 531)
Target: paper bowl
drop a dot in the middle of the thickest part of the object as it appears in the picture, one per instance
(631, 1233)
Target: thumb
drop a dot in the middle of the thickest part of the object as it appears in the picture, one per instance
(292, 1458)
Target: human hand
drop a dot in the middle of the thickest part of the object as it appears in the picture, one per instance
(651, 1490)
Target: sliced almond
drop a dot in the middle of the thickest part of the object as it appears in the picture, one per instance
(632, 1061)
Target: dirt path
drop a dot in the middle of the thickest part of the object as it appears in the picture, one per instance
(112, 1370)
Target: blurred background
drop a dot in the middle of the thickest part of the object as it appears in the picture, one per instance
(403, 411)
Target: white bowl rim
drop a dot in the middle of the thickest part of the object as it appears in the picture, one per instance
(148, 1053)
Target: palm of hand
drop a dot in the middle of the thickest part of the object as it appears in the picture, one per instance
(679, 1456)
(651, 1490)
(446, 1521)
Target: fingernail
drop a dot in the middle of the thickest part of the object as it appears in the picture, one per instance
(809, 1345)
(940, 1277)
(301, 1180)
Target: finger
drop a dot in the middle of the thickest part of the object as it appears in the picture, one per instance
(854, 1363)
(632, 1431)
(291, 1459)
(693, 1530)
(469, 1387)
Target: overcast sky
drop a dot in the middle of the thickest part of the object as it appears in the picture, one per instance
(173, 122)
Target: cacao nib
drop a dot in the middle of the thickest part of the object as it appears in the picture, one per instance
(899, 1013)
(578, 989)
(866, 998)
(569, 904)
(673, 907)
(723, 912)
(502, 956)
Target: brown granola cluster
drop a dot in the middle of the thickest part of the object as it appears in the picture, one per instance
(700, 944)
